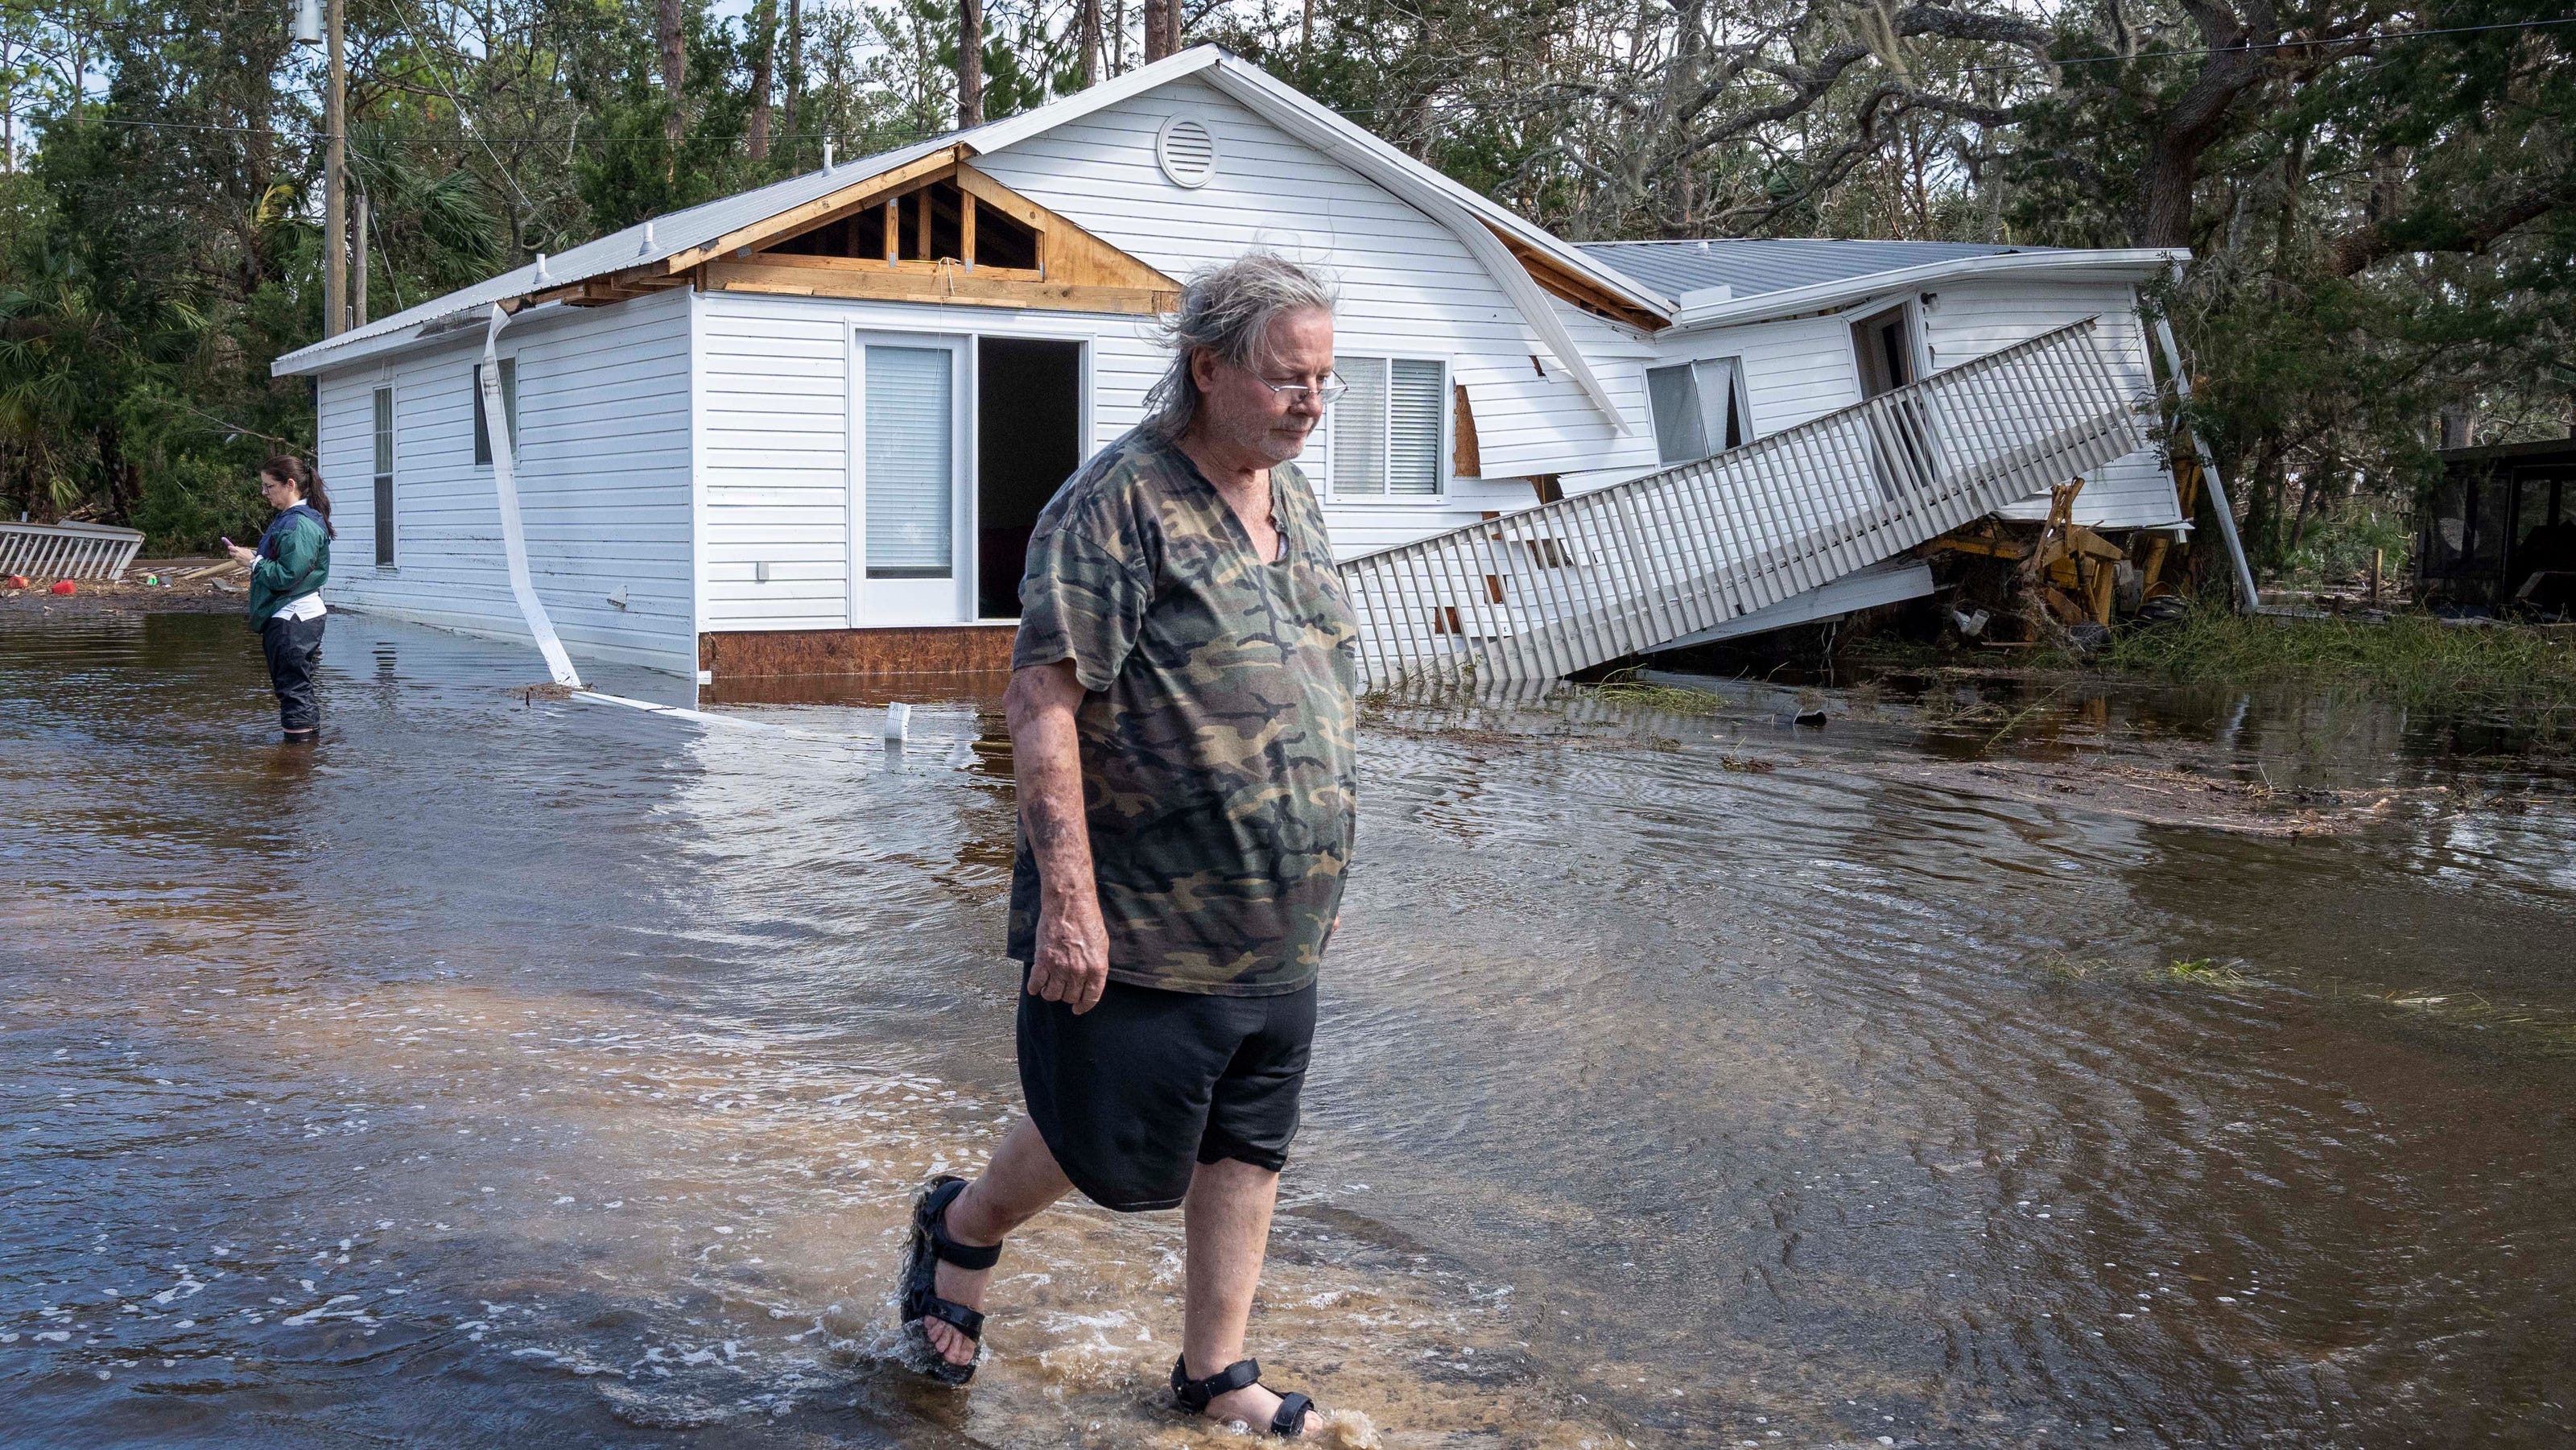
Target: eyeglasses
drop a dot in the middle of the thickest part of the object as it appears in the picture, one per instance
(1297, 393)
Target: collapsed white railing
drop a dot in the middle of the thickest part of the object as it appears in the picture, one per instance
(67, 551)
(1573, 584)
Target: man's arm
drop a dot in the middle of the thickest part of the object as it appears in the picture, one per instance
(1072, 962)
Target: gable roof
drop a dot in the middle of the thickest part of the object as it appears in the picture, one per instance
(1492, 233)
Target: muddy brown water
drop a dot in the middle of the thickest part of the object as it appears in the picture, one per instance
(510, 1071)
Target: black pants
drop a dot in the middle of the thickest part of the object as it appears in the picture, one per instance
(294, 649)
(1132, 1093)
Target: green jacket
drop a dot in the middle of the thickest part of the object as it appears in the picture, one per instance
(294, 560)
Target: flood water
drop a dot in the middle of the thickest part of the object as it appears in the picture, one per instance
(508, 1071)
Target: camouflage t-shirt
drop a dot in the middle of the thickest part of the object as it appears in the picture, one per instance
(1217, 731)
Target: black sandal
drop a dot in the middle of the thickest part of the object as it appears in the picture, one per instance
(930, 1245)
(1288, 1424)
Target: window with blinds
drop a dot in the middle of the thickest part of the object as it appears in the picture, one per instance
(911, 462)
(1387, 433)
(384, 478)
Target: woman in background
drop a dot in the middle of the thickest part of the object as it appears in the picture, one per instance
(287, 571)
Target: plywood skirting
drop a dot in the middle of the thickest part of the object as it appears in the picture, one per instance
(953, 649)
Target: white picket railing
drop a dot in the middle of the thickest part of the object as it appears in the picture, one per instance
(1573, 584)
(67, 551)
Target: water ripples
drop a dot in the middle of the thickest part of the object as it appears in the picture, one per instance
(509, 1069)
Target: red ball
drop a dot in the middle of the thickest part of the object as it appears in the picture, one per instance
(62, 586)
(17, 581)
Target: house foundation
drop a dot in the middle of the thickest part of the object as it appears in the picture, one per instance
(838, 666)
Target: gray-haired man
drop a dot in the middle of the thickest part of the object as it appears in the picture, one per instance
(1181, 718)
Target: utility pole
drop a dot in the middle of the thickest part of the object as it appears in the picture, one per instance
(335, 197)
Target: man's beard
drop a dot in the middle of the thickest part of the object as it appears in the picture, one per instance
(1278, 445)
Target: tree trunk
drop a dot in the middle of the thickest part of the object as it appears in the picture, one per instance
(2311, 489)
(1089, 21)
(795, 64)
(2459, 426)
(2192, 124)
(675, 74)
(970, 63)
(2261, 485)
(764, 25)
(1158, 15)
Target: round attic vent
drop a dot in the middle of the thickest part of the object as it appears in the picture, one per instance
(1186, 149)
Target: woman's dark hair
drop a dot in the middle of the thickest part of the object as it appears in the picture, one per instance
(287, 468)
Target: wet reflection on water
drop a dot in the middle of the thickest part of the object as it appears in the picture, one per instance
(507, 1069)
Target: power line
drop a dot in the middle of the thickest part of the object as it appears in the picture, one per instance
(2250, 47)
(502, 140)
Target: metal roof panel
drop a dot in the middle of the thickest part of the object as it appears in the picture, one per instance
(1754, 266)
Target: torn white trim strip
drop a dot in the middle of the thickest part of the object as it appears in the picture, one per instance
(730, 722)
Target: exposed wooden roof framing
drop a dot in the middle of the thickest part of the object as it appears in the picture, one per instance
(1075, 270)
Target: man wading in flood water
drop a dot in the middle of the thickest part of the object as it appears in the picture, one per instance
(1181, 721)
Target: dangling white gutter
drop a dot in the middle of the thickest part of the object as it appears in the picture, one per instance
(1527, 296)
(505, 487)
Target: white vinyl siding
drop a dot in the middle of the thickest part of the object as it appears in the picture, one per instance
(911, 465)
(1384, 436)
(1972, 318)
(776, 435)
(1794, 370)
(1407, 287)
(384, 476)
(603, 475)
(786, 433)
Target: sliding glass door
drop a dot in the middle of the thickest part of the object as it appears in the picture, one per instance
(909, 511)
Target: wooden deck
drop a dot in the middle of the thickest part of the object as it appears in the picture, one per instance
(1573, 584)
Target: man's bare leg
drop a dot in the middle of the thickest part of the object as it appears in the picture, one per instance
(1015, 1187)
(1226, 1219)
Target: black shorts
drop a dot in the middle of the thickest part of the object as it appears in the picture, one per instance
(1131, 1094)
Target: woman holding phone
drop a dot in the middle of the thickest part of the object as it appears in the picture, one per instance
(287, 571)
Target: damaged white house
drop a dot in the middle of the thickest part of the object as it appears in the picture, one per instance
(804, 430)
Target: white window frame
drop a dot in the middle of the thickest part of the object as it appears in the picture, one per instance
(1916, 333)
(1446, 463)
(388, 520)
(936, 600)
(478, 433)
(855, 337)
(1742, 401)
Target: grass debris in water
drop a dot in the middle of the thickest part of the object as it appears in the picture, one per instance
(2423, 660)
